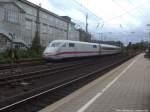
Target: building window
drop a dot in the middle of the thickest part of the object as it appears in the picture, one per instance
(1, 14)
(3, 41)
(45, 26)
(28, 24)
(50, 30)
(11, 16)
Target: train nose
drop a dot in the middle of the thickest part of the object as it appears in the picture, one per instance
(47, 54)
(50, 54)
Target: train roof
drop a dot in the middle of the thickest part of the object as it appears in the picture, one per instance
(103, 45)
(107, 45)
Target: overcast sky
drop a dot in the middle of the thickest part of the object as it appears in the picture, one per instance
(123, 20)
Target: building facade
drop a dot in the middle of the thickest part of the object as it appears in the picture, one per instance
(25, 20)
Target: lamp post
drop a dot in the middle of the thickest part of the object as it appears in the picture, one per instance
(12, 53)
(148, 38)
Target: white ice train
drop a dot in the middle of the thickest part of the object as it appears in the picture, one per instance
(59, 49)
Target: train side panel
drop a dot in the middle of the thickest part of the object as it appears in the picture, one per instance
(87, 50)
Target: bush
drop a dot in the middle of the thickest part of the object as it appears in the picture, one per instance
(4, 57)
(17, 55)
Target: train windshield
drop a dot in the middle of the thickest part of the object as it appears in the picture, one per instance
(56, 44)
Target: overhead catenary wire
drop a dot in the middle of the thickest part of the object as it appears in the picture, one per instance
(120, 6)
(133, 6)
(116, 17)
(117, 4)
(86, 10)
(101, 21)
(127, 12)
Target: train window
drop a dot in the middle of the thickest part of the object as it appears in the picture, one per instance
(64, 45)
(55, 44)
(108, 48)
(94, 46)
(71, 44)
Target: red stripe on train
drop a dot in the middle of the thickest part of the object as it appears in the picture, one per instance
(73, 52)
(60, 53)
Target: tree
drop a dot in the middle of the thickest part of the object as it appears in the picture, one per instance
(36, 46)
(137, 47)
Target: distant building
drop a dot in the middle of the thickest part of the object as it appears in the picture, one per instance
(25, 19)
(84, 36)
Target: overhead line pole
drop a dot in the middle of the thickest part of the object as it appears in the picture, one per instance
(67, 30)
(86, 23)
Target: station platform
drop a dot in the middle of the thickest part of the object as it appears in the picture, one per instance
(124, 89)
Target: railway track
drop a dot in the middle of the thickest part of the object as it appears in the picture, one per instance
(23, 63)
(27, 66)
(37, 74)
(56, 68)
(32, 68)
(71, 75)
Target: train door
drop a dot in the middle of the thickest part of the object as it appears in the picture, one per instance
(100, 49)
(78, 50)
(68, 50)
(64, 50)
(72, 49)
